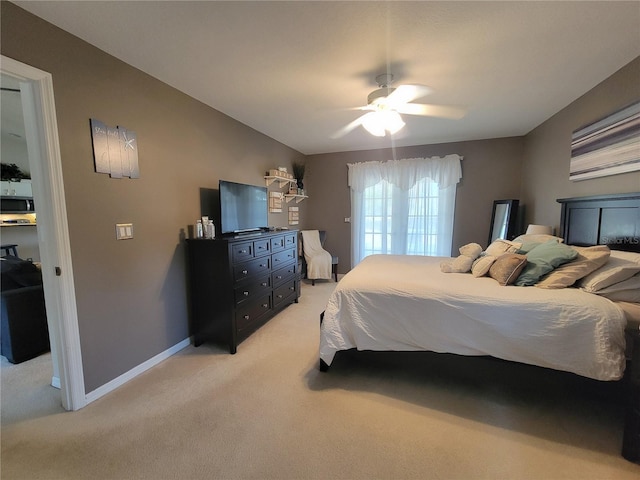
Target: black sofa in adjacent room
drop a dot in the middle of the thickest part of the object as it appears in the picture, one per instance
(23, 328)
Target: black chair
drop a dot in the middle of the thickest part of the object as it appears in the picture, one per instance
(10, 249)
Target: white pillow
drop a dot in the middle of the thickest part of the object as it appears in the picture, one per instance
(482, 265)
(625, 291)
(629, 256)
(537, 238)
(500, 246)
(614, 271)
(589, 259)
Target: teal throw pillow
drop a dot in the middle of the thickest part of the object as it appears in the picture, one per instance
(527, 247)
(544, 258)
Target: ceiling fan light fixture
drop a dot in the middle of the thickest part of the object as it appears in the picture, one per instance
(372, 123)
(386, 104)
(393, 121)
(379, 96)
(380, 122)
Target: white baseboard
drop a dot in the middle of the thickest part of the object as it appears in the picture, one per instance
(134, 372)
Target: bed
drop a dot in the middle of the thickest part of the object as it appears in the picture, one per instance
(406, 303)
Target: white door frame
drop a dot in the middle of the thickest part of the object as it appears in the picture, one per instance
(36, 88)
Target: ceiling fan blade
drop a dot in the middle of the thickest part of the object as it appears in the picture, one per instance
(443, 111)
(348, 127)
(407, 93)
(364, 107)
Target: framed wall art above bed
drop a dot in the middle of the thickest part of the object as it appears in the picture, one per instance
(607, 147)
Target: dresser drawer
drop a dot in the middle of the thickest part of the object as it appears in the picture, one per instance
(252, 311)
(283, 274)
(290, 240)
(251, 269)
(284, 292)
(261, 247)
(241, 251)
(277, 244)
(282, 258)
(253, 289)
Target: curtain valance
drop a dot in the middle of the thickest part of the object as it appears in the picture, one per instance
(406, 173)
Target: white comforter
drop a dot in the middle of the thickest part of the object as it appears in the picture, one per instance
(395, 302)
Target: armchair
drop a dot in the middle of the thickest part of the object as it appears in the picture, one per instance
(315, 260)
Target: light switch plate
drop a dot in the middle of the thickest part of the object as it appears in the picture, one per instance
(124, 231)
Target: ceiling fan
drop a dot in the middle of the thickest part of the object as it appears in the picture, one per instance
(385, 105)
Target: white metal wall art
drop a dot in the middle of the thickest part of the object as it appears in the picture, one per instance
(115, 150)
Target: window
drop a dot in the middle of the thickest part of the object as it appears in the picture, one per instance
(403, 207)
(422, 225)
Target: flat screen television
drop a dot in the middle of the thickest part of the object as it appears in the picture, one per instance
(243, 208)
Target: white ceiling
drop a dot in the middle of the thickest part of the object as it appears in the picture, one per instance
(292, 70)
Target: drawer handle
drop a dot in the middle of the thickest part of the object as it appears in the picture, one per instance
(265, 305)
(264, 284)
(263, 265)
(246, 317)
(278, 277)
(246, 294)
(292, 288)
(244, 272)
(279, 296)
(243, 251)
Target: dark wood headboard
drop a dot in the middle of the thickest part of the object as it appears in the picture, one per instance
(612, 220)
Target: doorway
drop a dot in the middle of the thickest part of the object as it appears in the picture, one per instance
(41, 133)
(23, 307)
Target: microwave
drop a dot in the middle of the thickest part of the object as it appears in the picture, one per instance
(17, 205)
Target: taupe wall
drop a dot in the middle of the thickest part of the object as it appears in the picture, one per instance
(548, 149)
(491, 170)
(131, 295)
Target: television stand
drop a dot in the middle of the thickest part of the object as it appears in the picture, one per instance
(238, 284)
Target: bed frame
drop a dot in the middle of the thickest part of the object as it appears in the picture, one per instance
(612, 220)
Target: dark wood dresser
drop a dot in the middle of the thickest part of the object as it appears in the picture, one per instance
(238, 283)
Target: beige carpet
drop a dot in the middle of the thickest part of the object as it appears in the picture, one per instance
(267, 413)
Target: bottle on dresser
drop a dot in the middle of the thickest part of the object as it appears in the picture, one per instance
(208, 229)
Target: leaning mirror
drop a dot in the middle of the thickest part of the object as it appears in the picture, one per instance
(503, 220)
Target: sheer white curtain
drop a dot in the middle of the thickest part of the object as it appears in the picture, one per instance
(403, 207)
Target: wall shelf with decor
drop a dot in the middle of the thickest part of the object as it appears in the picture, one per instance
(282, 181)
(290, 196)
